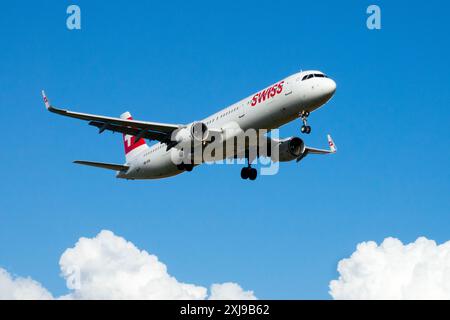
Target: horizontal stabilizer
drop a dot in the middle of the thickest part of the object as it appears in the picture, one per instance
(110, 166)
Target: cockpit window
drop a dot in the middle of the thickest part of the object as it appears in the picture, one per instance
(314, 75)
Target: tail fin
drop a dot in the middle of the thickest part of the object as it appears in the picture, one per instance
(132, 146)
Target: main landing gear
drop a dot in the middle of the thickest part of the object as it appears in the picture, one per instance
(305, 128)
(249, 173)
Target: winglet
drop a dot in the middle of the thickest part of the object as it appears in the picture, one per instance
(333, 147)
(46, 102)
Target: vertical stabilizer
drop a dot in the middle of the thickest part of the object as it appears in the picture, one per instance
(132, 146)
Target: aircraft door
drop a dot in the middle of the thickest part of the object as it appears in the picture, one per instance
(242, 110)
(287, 87)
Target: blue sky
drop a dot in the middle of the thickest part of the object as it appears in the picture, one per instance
(281, 235)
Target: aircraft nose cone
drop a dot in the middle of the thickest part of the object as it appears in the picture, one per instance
(330, 87)
(321, 91)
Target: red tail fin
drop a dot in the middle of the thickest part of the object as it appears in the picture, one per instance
(129, 141)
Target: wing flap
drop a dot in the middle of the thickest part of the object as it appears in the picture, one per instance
(103, 165)
(151, 135)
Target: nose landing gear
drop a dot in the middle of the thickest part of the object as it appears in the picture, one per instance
(305, 128)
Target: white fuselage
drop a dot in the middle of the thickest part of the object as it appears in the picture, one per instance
(270, 108)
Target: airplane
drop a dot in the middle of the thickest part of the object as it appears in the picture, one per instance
(293, 97)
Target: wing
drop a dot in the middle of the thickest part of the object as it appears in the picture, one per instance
(143, 129)
(110, 166)
(309, 150)
(332, 149)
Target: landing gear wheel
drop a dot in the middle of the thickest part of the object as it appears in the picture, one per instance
(245, 173)
(305, 128)
(252, 173)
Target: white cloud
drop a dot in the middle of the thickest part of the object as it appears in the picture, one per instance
(13, 288)
(113, 268)
(392, 270)
(230, 291)
(109, 267)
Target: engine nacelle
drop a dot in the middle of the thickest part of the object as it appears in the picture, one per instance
(290, 149)
(195, 132)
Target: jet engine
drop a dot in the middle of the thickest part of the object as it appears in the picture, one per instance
(195, 132)
(290, 149)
